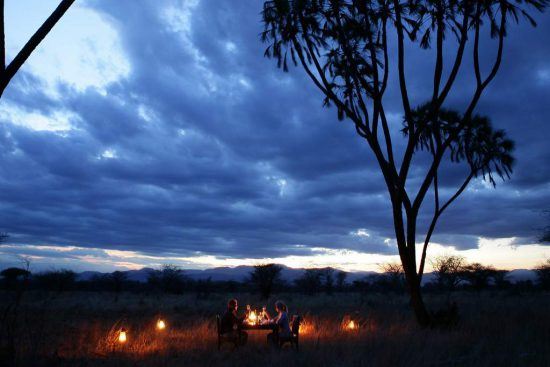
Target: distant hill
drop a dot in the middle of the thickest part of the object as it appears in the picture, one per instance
(240, 273)
(519, 275)
(134, 275)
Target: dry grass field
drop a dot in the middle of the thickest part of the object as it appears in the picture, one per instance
(81, 329)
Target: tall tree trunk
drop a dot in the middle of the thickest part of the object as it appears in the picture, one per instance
(413, 280)
(417, 303)
(406, 246)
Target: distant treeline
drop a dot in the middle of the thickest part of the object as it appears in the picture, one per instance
(450, 273)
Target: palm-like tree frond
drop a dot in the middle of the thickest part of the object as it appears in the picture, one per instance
(487, 151)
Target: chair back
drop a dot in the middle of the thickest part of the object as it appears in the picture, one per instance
(296, 321)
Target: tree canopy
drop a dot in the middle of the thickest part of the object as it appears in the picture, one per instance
(342, 45)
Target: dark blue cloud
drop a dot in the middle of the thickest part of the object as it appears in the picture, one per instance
(235, 157)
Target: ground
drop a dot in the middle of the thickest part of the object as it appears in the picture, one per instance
(80, 329)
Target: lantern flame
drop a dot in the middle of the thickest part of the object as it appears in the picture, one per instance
(161, 325)
(351, 325)
(252, 317)
(122, 338)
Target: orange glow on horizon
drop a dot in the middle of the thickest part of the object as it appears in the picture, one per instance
(501, 253)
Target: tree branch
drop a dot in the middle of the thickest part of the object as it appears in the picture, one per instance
(33, 42)
(2, 40)
(325, 87)
(387, 137)
(358, 81)
(476, 48)
(328, 88)
(496, 65)
(407, 157)
(386, 58)
(481, 85)
(435, 218)
(458, 59)
(401, 59)
(377, 102)
(317, 83)
(479, 90)
(438, 72)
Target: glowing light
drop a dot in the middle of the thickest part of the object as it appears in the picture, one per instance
(161, 325)
(252, 318)
(349, 324)
(122, 337)
(305, 328)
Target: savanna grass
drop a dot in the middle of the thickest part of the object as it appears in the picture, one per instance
(81, 329)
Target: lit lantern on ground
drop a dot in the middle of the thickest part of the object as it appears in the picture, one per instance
(161, 325)
(122, 337)
(351, 325)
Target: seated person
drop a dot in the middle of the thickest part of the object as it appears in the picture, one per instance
(230, 322)
(281, 322)
(264, 316)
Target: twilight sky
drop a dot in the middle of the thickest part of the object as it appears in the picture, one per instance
(147, 132)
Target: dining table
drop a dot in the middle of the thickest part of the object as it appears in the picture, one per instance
(267, 326)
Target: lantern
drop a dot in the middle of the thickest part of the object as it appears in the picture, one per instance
(122, 337)
(351, 325)
(252, 318)
(161, 325)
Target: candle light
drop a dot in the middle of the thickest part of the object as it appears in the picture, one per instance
(122, 336)
(351, 325)
(252, 318)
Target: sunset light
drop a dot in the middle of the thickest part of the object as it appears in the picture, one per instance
(278, 183)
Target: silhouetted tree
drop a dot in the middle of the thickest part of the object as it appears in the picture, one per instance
(362, 285)
(117, 279)
(342, 46)
(204, 287)
(393, 276)
(341, 280)
(543, 274)
(56, 280)
(170, 279)
(7, 72)
(264, 277)
(17, 280)
(477, 275)
(311, 281)
(499, 278)
(328, 277)
(12, 276)
(448, 270)
(523, 286)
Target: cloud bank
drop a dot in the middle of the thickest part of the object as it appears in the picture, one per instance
(165, 132)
